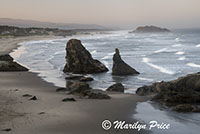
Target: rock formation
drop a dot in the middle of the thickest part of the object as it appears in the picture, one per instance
(120, 67)
(150, 29)
(80, 61)
(177, 93)
(84, 90)
(79, 78)
(7, 64)
(118, 87)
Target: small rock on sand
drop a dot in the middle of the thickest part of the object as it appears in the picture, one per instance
(68, 99)
(26, 95)
(33, 98)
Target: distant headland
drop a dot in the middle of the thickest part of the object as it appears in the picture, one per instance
(150, 29)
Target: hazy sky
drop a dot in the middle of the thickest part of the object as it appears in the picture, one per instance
(167, 13)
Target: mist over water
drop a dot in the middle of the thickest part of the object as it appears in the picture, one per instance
(162, 56)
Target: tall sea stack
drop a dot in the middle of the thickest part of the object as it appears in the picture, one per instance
(80, 61)
(120, 67)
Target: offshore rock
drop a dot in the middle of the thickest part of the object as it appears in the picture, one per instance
(80, 61)
(121, 68)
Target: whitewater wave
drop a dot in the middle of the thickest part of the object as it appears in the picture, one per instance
(161, 69)
(177, 39)
(59, 52)
(105, 57)
(193, 65)
(105, 63)
(180, 53)
(181, 58)
(111, 53)
(198, 45)
(145, 79)
(160, 50)
(94, 51)
(177, 45)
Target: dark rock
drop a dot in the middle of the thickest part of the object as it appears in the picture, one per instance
(6, 129)
(74, 77)
(61, 89)
(186, 108)
(150, 29)
(184, 90)
(80, 61)
(146, 90)
(6, 57)
(11, 66)
(77, 87)
(120, 67)
(68, 84)
(41, 113)
(26, 95)
(33, 98)
(86, 79)
(95, 94)
(84, 90)
(118, 87)
(68, 99)
(79, 77)
(7, 64)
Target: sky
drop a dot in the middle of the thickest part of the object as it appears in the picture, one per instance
(132, 13)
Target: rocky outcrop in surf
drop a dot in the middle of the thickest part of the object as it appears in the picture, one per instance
(121, 68)
(183, 94)
(80, 61)
(150, 29)
(84, 90)
(7, 64)
(118, 87)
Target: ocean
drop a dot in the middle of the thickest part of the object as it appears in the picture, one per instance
(158, 57)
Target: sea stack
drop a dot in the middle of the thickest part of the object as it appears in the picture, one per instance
(80, 61)
(120, 68)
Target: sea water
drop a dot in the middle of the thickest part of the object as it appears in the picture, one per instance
(158, 57)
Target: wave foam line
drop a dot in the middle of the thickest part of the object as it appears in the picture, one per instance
(145, 79)
(193, 65)
(179, 53)
(198, 45)
(105, 57)
(181, 58)
(160, 50)
(161, 69)
(177, 45)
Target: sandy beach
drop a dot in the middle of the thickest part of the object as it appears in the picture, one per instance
(48, 114)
